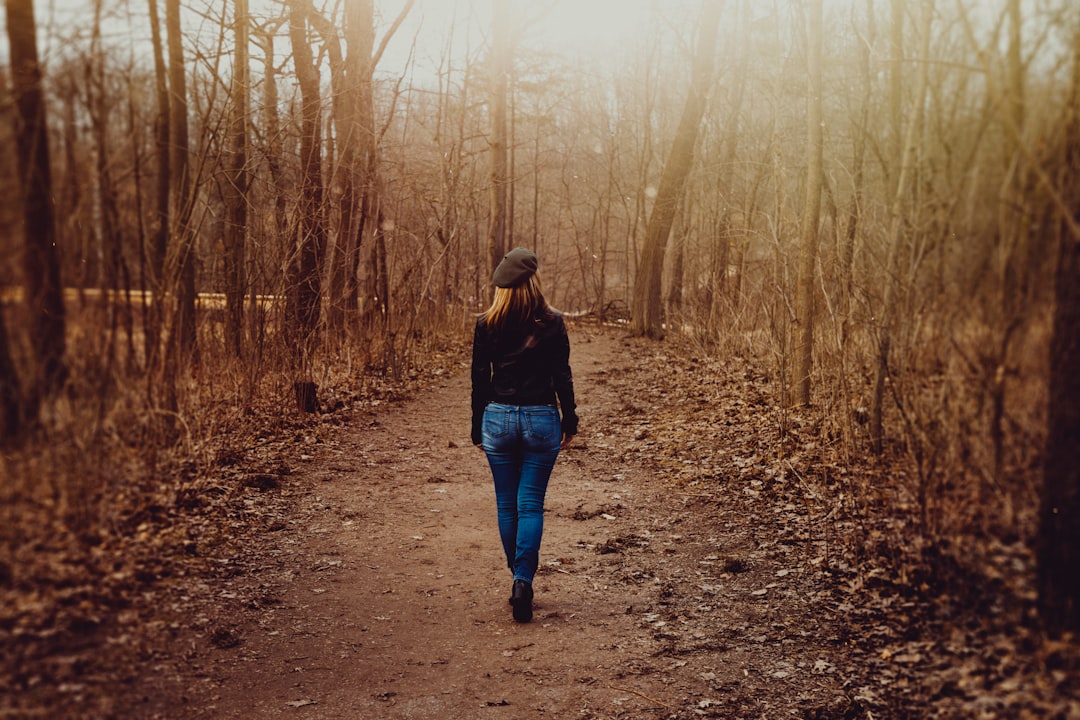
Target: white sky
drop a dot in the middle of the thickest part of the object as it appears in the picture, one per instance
(601, 31)
(596, 30)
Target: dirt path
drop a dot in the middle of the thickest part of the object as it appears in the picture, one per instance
(384, 594)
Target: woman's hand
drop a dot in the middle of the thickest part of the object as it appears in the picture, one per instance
(566, 440)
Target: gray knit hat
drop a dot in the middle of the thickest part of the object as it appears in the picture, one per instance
(516, 267)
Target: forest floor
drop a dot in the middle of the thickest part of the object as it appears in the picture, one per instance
(688, 569)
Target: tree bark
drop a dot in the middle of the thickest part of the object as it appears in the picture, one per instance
(501, 60)
(646, 318)
(1014, 238)
(678, 262)
(10, 392)
(361, 42)
(236, 186)
(272, 125)
(1058, 542)
(902, 176)
(44, 293)
(1059, 525)
(858, 161)
(804, 294)
(183, 283)
(305, 287)
(116, 272)
(159, 249)
(347, 72)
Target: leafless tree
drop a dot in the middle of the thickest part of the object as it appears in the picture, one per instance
(901, 179)
(1058, 544)
(305, 286)
(182, 251)
(646, 316)
(159, 248)
(235, 188)
(10, 391)
(807, 281)
(501, 69)
(44, 293)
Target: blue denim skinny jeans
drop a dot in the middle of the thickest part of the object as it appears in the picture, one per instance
(521, 443)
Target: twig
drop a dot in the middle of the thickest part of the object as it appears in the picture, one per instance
(635, 692)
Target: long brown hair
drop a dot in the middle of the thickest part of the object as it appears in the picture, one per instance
(516, 305)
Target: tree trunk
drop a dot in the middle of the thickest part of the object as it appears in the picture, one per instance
(500, 71)
(359, 39)
(678, 263)
(341, 129)
(44, 293)
(380, 268)
(804, 294)
(1059, 525)
(359, 155)
(116, 271)
(646, 316)
(1058, 542)
(847, 249)
(902, 176)
(305, 288)
(236, 186)
(361, 45)
(1014, 238)
(10, 400)
(134, 127)
(160, 246)
(183, 264)
(272, 124)
(896, 92)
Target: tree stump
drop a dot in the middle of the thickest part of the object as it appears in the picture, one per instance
(307, 396)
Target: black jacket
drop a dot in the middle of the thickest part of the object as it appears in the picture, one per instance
(523, 365)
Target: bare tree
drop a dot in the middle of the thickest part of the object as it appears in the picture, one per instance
(272, 129)
(159, 248)
(646, 317)
(305, 287)
(858, 161)
(1058, 544)
(1014, 232)
(901, 178)
(501, 62)
(235, 188)
(116, 275)
(346, 71)
(451, 118)
(182, 341)
(10, 392)
(44, 293)
(807, 281)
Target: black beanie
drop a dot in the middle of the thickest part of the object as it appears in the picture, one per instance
(516, 267)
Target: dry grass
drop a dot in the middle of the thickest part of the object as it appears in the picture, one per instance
(107, 451)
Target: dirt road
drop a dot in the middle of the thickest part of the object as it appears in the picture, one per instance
(384, 593)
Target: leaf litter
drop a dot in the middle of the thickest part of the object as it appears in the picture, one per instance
(753, 582)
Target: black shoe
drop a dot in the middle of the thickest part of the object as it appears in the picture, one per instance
(521, 598)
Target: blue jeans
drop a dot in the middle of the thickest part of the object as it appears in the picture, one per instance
(521, 443)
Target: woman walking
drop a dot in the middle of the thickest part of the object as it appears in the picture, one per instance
(520, 369)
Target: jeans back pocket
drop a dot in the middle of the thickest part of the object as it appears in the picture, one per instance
(496, 423)
(542, 423)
